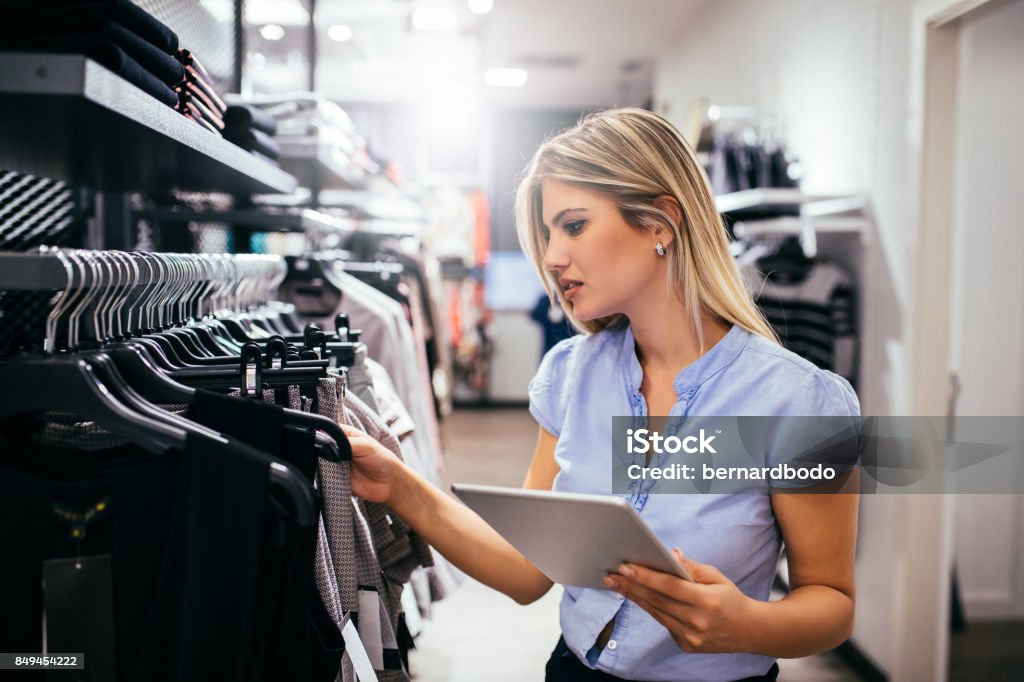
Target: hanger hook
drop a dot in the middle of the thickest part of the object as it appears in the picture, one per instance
(64, 299)
(87, 269)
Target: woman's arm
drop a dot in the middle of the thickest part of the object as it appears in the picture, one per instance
(820, 532)
(453, 529)
(711, 614)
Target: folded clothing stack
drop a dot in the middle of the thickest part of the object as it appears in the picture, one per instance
(252, 129)
(197, 99)
(116, 33)
(310, 126)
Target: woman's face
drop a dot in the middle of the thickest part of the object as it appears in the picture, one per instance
(602, 265)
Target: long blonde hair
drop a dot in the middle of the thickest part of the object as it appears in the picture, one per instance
(634, 157)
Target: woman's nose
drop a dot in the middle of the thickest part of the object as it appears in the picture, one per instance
(555, 256)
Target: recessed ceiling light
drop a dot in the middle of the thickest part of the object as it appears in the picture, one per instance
(272, 32)
(505, 78)
(433, 19)
(340, 33)
(480, 6)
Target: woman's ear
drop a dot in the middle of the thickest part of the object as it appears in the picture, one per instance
(668, 205)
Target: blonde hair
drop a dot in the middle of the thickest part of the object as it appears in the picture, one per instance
(634, 157)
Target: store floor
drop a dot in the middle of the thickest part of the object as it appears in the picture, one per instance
(479, 635)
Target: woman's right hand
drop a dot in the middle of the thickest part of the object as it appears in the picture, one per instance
(374, 467)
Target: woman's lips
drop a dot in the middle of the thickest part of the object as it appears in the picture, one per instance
(572, 292)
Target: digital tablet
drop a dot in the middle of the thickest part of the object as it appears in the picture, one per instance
(573, 539)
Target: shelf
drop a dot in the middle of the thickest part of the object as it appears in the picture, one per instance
(68, 118)
(301, 220)
(772, 197)
(319, 166)
(794, 225)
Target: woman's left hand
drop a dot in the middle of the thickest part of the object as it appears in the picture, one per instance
(709, 615)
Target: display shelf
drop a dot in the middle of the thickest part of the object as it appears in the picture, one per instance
(319, 166)
(749, 200)
(746, 229)
(270, 220)
(68, 118)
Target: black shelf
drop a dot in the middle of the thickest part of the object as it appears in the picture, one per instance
(68, 118)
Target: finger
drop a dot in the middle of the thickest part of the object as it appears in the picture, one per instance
(702, 573)
(638, 593)
(665, 583)
(668, 620)
(687, 630)
(351, 430)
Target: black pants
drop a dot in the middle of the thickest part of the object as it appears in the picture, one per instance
(563, 666)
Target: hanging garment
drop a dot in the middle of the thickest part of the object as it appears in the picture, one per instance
(360, 381)
(814, 314)
(384, 566)
(262, 423)
(182, 560)
(389, 340)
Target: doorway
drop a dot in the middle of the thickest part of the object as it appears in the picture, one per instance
(971, 302)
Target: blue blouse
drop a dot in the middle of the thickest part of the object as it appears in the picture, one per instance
(584, 381)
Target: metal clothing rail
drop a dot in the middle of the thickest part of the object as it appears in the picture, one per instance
(139, 290)
(52, 269)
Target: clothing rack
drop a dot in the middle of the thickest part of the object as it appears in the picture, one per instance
(53, 268)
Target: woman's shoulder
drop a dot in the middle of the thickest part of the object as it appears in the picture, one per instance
(801, 386)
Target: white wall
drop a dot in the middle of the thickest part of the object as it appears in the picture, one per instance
(836, 74)
(989, 292)
(839, 73)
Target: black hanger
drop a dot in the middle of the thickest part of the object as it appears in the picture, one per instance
(69, 384)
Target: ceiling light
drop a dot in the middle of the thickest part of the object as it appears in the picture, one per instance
(272, 32)
(480, 6)
(433, 19)
(505, 78)
(340, 32)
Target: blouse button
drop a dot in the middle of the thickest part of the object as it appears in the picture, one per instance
(612, 644)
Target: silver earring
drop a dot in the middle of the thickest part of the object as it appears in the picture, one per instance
(660, 248)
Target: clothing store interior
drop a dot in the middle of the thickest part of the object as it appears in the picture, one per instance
(233, 230)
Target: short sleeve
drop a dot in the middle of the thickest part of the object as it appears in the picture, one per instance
(551, 386)
(826, 394)
(819, 431)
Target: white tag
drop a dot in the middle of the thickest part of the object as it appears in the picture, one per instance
(369, 627)
(413, 619)
(357, 654)
(250, 380)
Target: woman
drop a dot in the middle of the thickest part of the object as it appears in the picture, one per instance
(618, 216)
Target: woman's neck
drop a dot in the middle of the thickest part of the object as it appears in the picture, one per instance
(669, 342)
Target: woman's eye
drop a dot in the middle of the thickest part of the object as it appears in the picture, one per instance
(573, 227)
